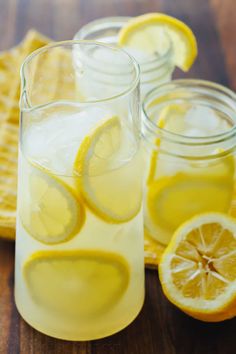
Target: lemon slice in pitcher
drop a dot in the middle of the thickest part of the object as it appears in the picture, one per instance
(78, 282)
(146, 32)
(109, 185)
(49, 209)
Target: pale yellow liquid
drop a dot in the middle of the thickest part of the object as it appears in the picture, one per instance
(124, 239)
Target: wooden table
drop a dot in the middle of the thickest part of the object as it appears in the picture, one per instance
(160, 328)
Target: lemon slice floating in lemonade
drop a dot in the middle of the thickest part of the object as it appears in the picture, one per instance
(173, 200)
(50, 211)
(145, 33)
(107, 184)
(198, 268)
(76, 282)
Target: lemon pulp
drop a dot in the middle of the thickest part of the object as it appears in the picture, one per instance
(198, 268)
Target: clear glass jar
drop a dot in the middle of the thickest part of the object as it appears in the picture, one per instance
(189, 135)
(153, 72)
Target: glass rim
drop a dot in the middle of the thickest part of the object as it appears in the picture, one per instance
(79, 35)
(69, 43)
(158, 61)
(171, 86)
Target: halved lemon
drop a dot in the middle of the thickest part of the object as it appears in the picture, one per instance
(76, 283)
(49, 209)
(198, 268)
(110, 185)
(172, 200)
(145, 33)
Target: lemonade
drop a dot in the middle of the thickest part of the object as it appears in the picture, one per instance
(189, 147)
(79, 246)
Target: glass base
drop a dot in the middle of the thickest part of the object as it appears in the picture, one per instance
(52, 332)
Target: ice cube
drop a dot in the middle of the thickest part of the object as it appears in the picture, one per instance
(54, 142)
(139, 55)
(110, 57)
(195, 133)
(202, 118)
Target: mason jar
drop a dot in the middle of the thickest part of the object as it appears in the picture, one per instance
(189, 135)
(154, 71)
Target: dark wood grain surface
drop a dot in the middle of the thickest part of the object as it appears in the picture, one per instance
(160, 328)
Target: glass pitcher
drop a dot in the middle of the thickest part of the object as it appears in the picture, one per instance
(79, 272)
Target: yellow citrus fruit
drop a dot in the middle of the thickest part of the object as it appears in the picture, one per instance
(172, 200)
(198, 268)
(49, 209)
(145, 33)
(107, 184)
(76, 282)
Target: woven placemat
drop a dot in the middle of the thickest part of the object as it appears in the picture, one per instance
(10, 63)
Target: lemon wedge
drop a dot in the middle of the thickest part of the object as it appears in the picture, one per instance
(198, 268)
(76, 283)
(110, 187)
(145, 33)
(49, 209)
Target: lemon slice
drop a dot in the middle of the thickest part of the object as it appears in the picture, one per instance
(49, 209)
(145, 33)
(173, 200)
(110, 187)
(198, 268)
(76, 283)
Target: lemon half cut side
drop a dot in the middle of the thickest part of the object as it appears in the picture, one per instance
(198, 268)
